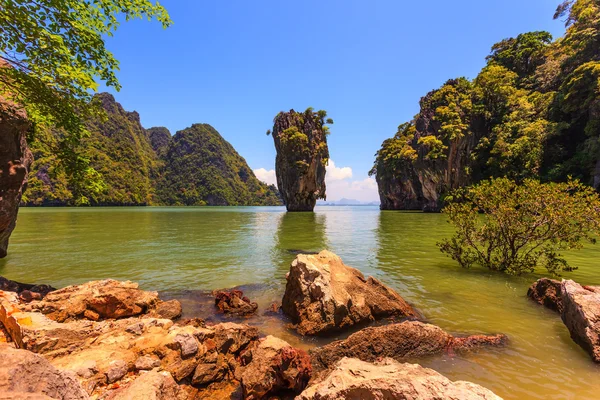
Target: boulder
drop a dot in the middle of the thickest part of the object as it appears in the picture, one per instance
(97, 300)
(274, 366)
(581, 315)
(167, 309)
(389, 379)
(28, 375)
(401, 341)
(152, 385)
(234, 302)
(15, 160)
(323, 295)
(546, 292)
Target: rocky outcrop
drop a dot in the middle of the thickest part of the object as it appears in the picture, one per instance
(15, 160)
(25, 375)
(324, 295)
(402, 341)
(546, 292)
(27, 292)
(160, 138)
(581, 315)
(233, 302)
(388, 379)
(302, 155)
(274, 366)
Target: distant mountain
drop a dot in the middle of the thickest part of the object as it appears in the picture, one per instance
(148, 167)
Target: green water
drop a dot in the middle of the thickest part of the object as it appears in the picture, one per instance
(185, 251)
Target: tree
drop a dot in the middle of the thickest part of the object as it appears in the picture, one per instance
(52, 56)
(515, 228)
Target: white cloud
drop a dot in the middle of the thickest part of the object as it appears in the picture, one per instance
(339, 183)
(267, 176)
(337, 174)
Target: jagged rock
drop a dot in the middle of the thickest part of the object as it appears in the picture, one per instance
(274, 366)
(15, 160)
(160, 138)
(388, 379)
(146, 363)
(581, 315)
(27, 292)
(234, 302)
(546, 292)
(206, 373)
(167, 309)
(324, 295)
(302, 155)
(107, 299)
(23, 372)
(403, 341)
(152, 385)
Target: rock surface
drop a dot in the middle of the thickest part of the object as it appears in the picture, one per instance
(27, 292)
(15, 160)
(546, 292)
(24, 374)
(388, 379)
(408, 340)
(234, 302)
(302, 155)
(581, 315)
(152, 385)
(324, 295)
(274, 366)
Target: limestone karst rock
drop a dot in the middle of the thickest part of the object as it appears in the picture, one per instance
(302, 155)
(324, 295)
(581, 315)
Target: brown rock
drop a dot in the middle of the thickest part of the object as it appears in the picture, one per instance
(275, 366)
(234, 302)
(168, 309)
(388, 379)
(581, 315)
(27, 291)
(151, 385)
(22, 372)
(546, 292)
(402, 341)
(324, 295)
(206, 373)
(15, 160)
(232, 338)
(146, 363)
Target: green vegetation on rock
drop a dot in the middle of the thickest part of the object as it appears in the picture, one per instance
(515, 228)
(532, 112)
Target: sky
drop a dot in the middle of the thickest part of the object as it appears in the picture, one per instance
(235, 64)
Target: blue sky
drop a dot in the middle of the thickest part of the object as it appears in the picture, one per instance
(235, 64)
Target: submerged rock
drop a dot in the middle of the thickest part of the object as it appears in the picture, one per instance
(302, 155)
(402, 341)
(324, 295)
(15, 160)
(581, 315)
(355, 379)
(234, 302)
(546, 292)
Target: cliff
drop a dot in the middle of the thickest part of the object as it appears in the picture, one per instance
(160, 138)
(202, 168)
(302, 155)
(532, 112)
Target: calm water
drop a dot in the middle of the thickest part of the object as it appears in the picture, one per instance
(186, 251)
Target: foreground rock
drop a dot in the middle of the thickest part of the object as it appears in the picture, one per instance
(98, 300)
(301, 144)
(581, 315)
(234, 302)
(15, 160)
(388, 379)
(24, 374)
(546, 292)
(324, 295)
(404, 341)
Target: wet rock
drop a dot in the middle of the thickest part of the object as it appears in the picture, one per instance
(402, 341)
(273, 310)
(152, 385)
(146, 363)
(546, 292)
(274, 366)
(581, 315)
(167, 309)
(24, 374)
(15, 160)
(389, 379)
(27, 292)
(107, 299)
(302, 155)
(234, 302)
(324, 295)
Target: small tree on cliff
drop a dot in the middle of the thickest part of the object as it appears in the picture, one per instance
(515, 228)
(52, 56)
